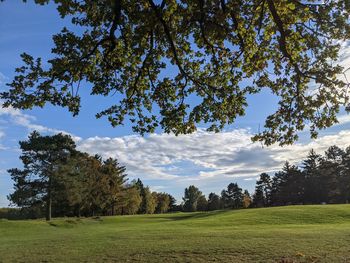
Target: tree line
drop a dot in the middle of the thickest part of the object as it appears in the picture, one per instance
(58, 180)
(318, 180)
(233, 197)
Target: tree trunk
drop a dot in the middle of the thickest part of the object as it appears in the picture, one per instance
(113, 209)
(48, 202)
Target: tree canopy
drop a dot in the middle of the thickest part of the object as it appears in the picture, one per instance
(157, 55)
(42, 156)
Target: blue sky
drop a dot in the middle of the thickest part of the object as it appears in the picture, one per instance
(165, 162)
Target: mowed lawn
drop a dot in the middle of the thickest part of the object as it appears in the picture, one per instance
(280, 234)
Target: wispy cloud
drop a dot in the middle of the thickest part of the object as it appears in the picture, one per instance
(19, 118)
(3, 79)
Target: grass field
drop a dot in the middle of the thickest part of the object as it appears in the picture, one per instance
(281, 234)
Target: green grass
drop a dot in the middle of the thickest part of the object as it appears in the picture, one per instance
(281, 234)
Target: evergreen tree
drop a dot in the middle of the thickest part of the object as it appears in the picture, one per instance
(143, 207)
(232, 197)
(262, 195)
(41, 157)
(313, 183)
(331, 167)
(345, 177)
(213, 202)
(115, 179)
(172, 204)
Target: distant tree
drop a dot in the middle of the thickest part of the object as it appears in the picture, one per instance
(115, 180)
(224, 199)
(163, 202)
(150, 201)
(331, 174)
(41, 157)
(98, 196)
(213, 202)
(288, 186)
(321, 179)
(78, 179)
(262, 195)
(172, 204)
(232, 197)
(87, 185)
(247, 200)
(129, 201)
(258, 197)
(202, 203)
(345, 177)
(314, 187)
(192, 194)
(139, 185)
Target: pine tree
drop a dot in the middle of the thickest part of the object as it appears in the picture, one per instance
(232, 197)
(41, 157)
(262, 195)
(213, 202)
(116, 178)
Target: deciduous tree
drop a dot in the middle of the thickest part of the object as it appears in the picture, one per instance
(219, 51)
(192, 194)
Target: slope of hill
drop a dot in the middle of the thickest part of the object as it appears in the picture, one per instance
(280, 234)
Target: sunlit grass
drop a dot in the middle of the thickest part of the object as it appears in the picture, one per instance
(293, 234)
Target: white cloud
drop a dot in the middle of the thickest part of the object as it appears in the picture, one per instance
(218, 157)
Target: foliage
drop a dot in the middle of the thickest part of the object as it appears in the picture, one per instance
(247, 200)
(214, 202)
(218, 51)
(191, 197)
(321, 179)
(163, 202)
(62, 181)
(262, 191)
(202, 203)
(148, 204)
(129, 201)
(18, 214)
(232, 197)
(36, 185)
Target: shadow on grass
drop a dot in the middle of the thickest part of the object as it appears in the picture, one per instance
(191, 215)
(69, 222)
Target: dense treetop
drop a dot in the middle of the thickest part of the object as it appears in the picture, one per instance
(218, 51)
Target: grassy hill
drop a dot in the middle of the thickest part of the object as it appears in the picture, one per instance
(281, 234)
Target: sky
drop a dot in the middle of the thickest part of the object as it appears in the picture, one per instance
(163, 161)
